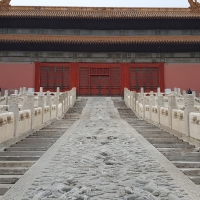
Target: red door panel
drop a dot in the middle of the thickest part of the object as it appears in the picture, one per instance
(84, 81)
(94, 85)
(104, 84)
(115, 81)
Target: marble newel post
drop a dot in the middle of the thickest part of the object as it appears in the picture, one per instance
(184, 93)
(56, 100)
(13, 107)
(29, 105)
(49, 101)
(151, 102)
(41, 102)
(171, 105)
(160, 104)
(189, 107)
(6, 96)
(142, 101)
(158, 91)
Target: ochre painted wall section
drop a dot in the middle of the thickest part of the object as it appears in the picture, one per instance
(182, 76)
(16, 75)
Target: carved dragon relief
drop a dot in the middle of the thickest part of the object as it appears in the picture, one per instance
(4, 4)
(194, 4)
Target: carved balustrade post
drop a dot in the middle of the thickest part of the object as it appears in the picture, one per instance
(184, 93)
(56, 102)
(142, 101)
(194, 93)
(67, 100)
(189, 107)
(24, 91)
(179, 91)
(175, 90)
(20, 90)
(49, 101)
(158, 91)
(134, 100)
(74, 95)
(16, 92)
(41, 103)
(151, 102)
(6, 96)
(29, 105)
(61, 101)
(13, 107)
(161, 103)
(57, 91)
(171, 105)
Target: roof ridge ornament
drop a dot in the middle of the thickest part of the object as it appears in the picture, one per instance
(194, 4)
(4, 4)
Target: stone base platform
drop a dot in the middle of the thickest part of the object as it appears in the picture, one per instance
(101, 157)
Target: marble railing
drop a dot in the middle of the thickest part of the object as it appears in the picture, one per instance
(175, 111)
(22, 117)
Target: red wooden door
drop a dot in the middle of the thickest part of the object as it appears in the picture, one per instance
(146, 77)
(52, 77)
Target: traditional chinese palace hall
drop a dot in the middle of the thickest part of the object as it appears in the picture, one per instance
(99, 50)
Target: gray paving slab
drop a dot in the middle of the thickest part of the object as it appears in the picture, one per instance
(101, 157)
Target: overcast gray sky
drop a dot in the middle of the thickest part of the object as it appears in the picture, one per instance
(104, 3)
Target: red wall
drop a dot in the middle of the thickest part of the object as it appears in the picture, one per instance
(182, 76)
(16, 75)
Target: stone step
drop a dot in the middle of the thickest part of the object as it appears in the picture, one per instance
(191, 171)
(13, 170)
(45, 136)
(195, 179)
(186, 164)
(19, 158)
(155, 135)
(22, 153)
(165, 141)
(33, 140)
(177, 145)
(32, 145)
(26, 149)
(9, 179)
(177, 150)
(4, 188)
(16, 163)
(191, 158)
(36, 142)
(156, 130)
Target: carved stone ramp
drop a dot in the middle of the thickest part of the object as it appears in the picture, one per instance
(183, 155)
(102, 157)
(18, 158)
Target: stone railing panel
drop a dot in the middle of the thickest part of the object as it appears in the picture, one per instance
(164, 119)
(37, 117)
(6, 126)
(178, 120)
(24, 124)
(147, 112)
(194, 123)
(46, 114)
(155, 114)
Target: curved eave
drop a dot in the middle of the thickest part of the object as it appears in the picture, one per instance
(81, 40)
(97, 13)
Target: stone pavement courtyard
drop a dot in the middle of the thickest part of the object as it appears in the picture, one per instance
(101, 157)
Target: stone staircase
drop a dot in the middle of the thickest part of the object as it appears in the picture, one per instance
(183, 155)
(18, 158)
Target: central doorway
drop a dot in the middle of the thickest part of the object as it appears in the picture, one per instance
(100, 80)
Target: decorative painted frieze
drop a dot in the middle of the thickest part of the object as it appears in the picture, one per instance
(112, 57)
(98, 32)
